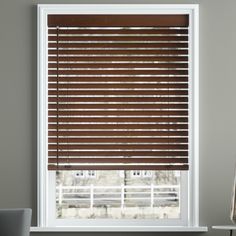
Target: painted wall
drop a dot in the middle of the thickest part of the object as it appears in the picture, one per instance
(217, 105)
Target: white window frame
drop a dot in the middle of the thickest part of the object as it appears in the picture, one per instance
(45, 178)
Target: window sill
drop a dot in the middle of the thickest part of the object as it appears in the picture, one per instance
(121, 229)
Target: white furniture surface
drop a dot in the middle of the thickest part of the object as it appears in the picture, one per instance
(224, 227)
(231, 228)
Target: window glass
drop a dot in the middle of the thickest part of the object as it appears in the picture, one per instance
(112, 196)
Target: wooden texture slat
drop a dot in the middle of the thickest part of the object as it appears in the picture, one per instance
(117, 86)
(117, 126)
(118, 106)
(117, 133)
(118, 153)
(165, 98)
(108, 45)
(118, 20)
(118, 52)
(118, 31)
(118, 167)
(106, 113)
(117, 146)
(118, 92)
(119, 72)
(118, 38)
(118, 65)
(169, 58)
(125, 140)
(118, 119)
(177, 79)
(117, 160)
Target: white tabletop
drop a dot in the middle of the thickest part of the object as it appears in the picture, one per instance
(224, 227)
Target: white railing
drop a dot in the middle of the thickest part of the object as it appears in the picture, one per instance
(117, 196)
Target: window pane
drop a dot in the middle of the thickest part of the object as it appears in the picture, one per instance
(109, 194)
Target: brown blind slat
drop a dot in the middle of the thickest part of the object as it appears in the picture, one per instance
(117, 133)
(117, 31)
(118, 52)
(123, 65)
(118, 126)
(118, 45)
(115, 38)
(118, 153)
(118, 146)
(118, 20)
(118, 113)
(118, 106)
(118, 167)
(119, 72)
(152, 58)
(119, 119)
(120, 160)
(120, 79)
(142, 99)
(108, 86)
(119, 140)
(118, 92)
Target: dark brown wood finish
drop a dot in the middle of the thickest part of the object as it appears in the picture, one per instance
(119, 160)
(118, 167)
(118, 20)
(125, 140)
(118, 96)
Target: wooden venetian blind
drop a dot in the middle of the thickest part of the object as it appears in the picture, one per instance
(118, 92)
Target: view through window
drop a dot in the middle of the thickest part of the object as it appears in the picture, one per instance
(115, 195)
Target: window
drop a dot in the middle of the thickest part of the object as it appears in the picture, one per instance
(85, 173)
(141, 173)
(80, 174)
(118, 115)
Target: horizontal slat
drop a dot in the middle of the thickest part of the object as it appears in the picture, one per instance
(117, 126)
(118, 119)
(118, 106)
(118, 58)
(118, 160)
(118, 146)
(118, 72)
(118, 113)
(117, 133)
(119, 140)
(118, 20)
(120, 79)
(118, 99)
(117, 38)
(116, 86)
(109, 45)
(118, 92)
(113, 52)
(118, 167)
(118, 153)
(117, 65)
(118, 31)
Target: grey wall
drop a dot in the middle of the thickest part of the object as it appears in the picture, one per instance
(217, 105)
